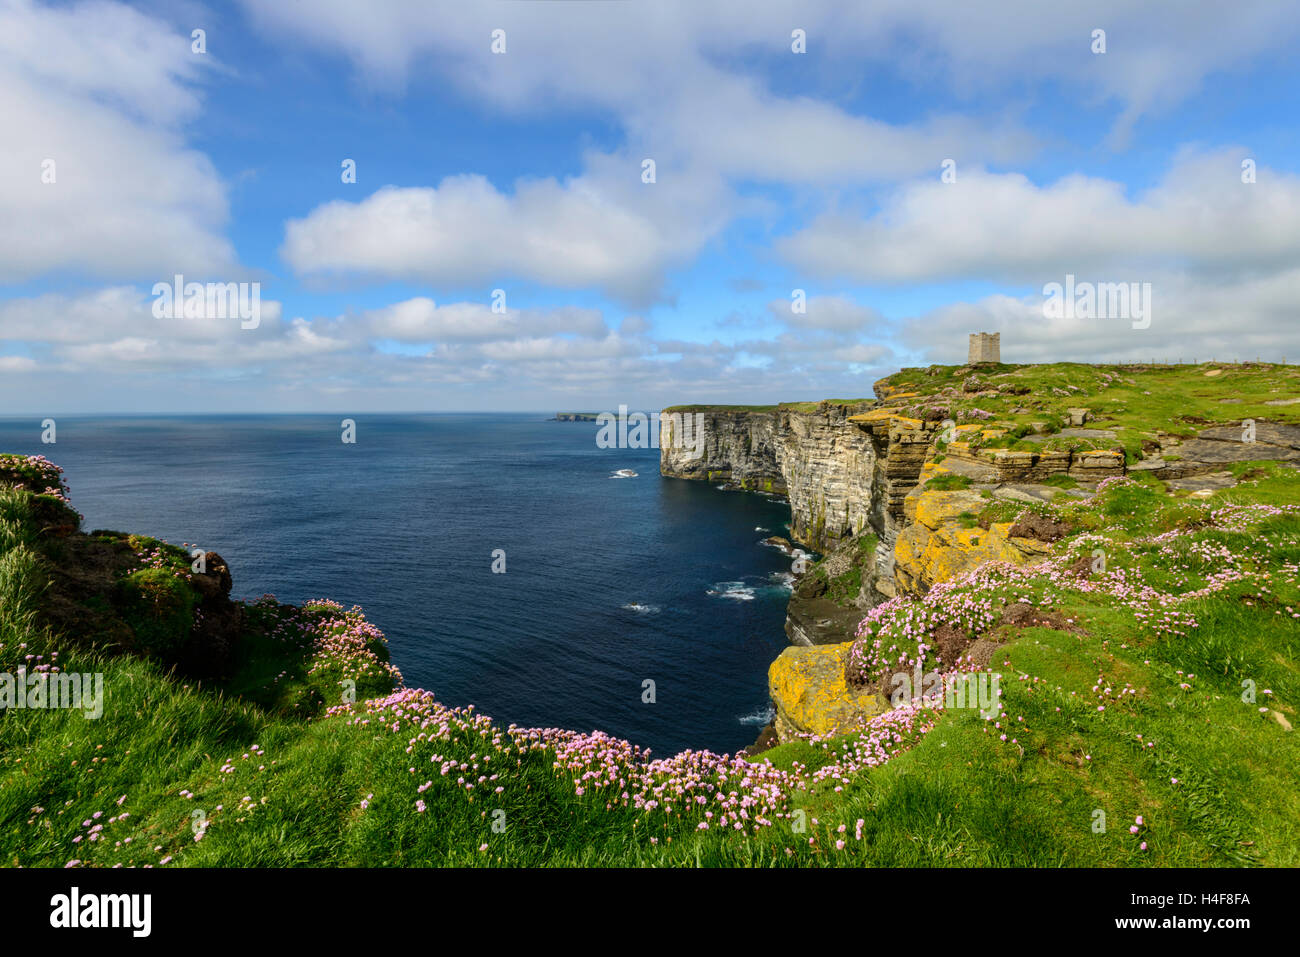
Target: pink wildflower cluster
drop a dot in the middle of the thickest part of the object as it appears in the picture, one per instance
(878, 739)
(897, 636)
(1238, 518)
(335, 639)
(37, 474)
(157, 557)
(344, 640)
(1112, 482)
(716, 791)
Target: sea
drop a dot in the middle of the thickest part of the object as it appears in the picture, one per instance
(642, 606)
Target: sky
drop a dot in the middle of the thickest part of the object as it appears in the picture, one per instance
(581, 204)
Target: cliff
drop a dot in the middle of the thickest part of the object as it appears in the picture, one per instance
(150, 721)
(118, 595)
(812, 455)
(934, 478)
(1124, 690)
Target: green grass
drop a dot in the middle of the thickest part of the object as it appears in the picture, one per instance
(1135, 401)
(844, 587)
(159, 607)
(720, 408)
(281, 780)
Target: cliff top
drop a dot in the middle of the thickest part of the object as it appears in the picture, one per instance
(790, 406)
(1024, 408)
(1034, 408)
(1156, 388)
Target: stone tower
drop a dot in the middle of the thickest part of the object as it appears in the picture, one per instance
(984, 347)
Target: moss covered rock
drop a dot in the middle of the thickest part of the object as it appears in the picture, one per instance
(158, 605)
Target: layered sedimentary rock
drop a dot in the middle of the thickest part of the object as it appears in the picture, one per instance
(829, 467)
(824, 464)
(845, 467)
(854, 475)
(737, 446)
(1216, 447)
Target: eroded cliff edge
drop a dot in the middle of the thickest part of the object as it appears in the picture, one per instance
(845, 466)
(925, 481)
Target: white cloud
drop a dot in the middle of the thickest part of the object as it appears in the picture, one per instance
(100, 90)
(621, 56)
(581, 233)
(420, 320)
(115, 327)
(83, 344)
(830, 313)
(1192, 317)
(732, 126)
(707, 127)
(1004, 227)
(17, 364)
(671, 76)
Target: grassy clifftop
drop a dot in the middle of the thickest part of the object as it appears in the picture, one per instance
(1137, 403)
(1143, 717)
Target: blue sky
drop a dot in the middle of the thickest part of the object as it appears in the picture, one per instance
(521, 171)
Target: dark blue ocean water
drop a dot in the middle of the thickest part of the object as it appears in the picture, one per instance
(608, 581)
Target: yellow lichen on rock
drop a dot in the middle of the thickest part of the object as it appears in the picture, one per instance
(874, 416)
(934, 509)
(944, 540)
(811, 695)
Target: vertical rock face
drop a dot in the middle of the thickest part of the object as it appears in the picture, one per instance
(739, 447)
(829, 464)
(822, 462)
(847, 469)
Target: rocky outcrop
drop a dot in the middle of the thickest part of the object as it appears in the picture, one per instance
(119, 593)
(812, 696)
(944, 540)
(1216, 447)
(740, 448)
(218, 622)
(820, 621)
(854, 471)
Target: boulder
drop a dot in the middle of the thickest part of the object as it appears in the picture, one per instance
(812, 696)
(215, 582)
